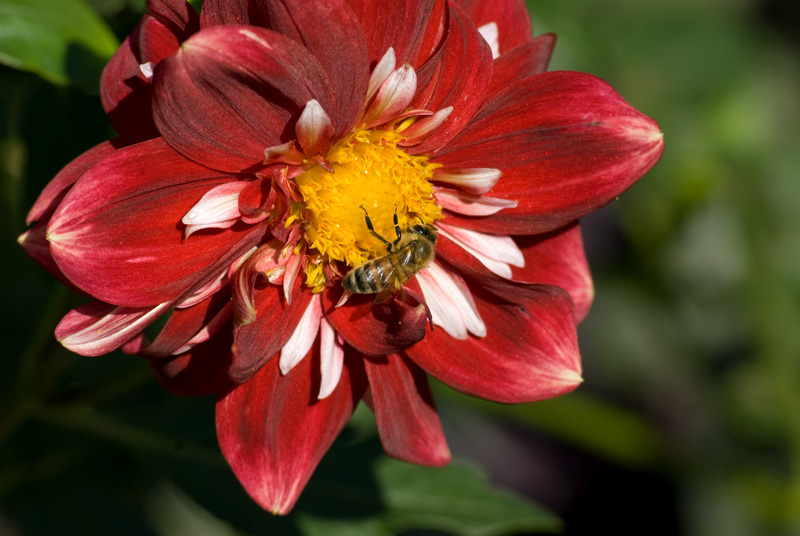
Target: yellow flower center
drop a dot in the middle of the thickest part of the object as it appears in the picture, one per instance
(369, 171)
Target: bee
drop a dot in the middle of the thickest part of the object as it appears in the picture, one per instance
(412, 251)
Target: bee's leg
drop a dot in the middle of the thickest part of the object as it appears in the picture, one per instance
(372, 230)
(396, 227)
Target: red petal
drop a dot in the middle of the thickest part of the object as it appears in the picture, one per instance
(566, 143)
(35, 244)
(98, 328)
(255, 343)
(57, 188)
(407, 421)
(117, 234)
(200, 371)
(558, 258)
(458, 78)
(530, 351)
(125, 92)
(405, 26)
(511, 16)
(273, 431)
(177, 15)
(555, 258)
(183, 324)
(222, 12)
(340, 48)
(376, 329)
(526, 60)
(231, 91)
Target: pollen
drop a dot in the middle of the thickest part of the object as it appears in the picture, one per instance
(369, 171)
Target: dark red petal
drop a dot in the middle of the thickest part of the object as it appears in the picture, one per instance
(118, 234)
(376, 329)
(255, 343)
(555, 258)
(558, 258)
(458, 78)
(231, 91)
(57, 188)
(35, 244)
(408, 425)
(530, 351)
(511, 16)
(125, 92)
(566, 143)
(340, 48)
(525, 60)
(222, 12)
(405, 26)
(183, 324)
(200, 371)
(273, 430)
(177, 15)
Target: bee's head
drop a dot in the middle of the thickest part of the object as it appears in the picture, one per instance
(427, 231)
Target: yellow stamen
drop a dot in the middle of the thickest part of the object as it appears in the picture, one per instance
(369, 171)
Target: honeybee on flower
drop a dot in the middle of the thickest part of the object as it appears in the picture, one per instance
(250, 137)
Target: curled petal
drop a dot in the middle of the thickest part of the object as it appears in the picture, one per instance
(423, 127)
(268, 260)
(254, 344)
(217, 209)
(473, 180)
(305, 333)
(530, 351)
(380, 73)
(408, 425)
(497, 253)
(450, 302)
(98, 328)
(471, 204)
(376, 329)
(177, 15)
(273, 430)
(314, 129)
(209, 330)
(393, 96)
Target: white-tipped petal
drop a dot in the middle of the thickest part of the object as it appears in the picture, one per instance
(303, 337)
(206, 291)
(471, 204)
(421, 128)
(472, 180)
(314, 129)
(331, 358)
(393, 97)
(491, 34)
(450, 302)
(147, 69)
(380, 73)
(497, 253)
(217, 209)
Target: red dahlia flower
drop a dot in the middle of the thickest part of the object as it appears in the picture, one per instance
(267, 148)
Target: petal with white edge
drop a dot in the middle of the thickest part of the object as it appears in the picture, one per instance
(217, 209)
(473, 180)
(491, 34)
(314, 129)
(450, 302)
(471, 204)
(303, 337)
(331, 358)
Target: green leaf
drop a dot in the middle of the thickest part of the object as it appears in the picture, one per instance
(62, 41)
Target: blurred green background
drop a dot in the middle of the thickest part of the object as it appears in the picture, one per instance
(689, 419)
